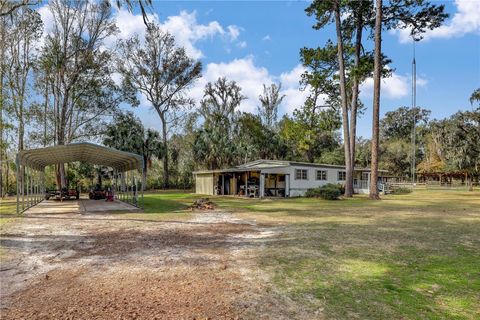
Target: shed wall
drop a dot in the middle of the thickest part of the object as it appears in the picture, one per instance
(204, 183)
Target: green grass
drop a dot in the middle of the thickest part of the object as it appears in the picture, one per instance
(409, 256)
(165, 205)
(7, 210)
(414, 256)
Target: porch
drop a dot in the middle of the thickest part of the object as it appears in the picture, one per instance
(251, 184)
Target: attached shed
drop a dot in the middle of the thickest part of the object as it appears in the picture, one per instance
(204, 183)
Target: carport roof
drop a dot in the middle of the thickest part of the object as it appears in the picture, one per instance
(84, 152)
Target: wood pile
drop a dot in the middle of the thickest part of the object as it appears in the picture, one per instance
(203, 204)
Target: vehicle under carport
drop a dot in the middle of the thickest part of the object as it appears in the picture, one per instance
(128, 179)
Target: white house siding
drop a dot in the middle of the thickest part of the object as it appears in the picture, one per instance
(296, 187)
(299, 187)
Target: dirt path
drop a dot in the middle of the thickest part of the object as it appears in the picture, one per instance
(73, 266)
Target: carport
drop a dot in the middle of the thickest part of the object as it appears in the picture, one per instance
(128, 185)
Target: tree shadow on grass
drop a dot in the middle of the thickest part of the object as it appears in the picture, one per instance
(387, 269)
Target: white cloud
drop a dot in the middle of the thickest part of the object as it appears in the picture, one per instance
(47, 19)
(267, 38)
(292, 77)
(184, 27)
(234, 32)
(394, 87)
(242, 44)
(251, 79)
(188, 32)
(465, 20)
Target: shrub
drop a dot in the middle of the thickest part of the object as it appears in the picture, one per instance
(402, 190)
(328, 192)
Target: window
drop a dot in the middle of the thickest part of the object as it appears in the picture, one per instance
(365, 176)
(321, 174)
(342, 176)
(301, 174)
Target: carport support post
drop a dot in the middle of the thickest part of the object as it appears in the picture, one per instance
(143, 186)
(18, 188)
(28, 186)
(134, 188)
(127, 191)
(22, 185)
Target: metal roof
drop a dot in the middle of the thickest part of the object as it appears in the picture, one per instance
(260, 164)
(84, 152)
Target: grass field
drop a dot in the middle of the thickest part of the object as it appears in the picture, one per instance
(413, 256)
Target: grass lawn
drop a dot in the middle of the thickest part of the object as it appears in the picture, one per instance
(7, 210)
(413, 256)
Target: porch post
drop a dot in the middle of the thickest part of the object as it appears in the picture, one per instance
(246, 184)
(223, 184)
(261, 192)
(287, 185)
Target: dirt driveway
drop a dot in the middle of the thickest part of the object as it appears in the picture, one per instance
(100, 266)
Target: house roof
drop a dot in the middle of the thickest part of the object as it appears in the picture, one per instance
(84, 152)
(272, 164)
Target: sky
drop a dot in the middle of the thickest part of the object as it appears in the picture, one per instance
(257, 42)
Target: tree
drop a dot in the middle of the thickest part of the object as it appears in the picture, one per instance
(270, 100)
(417, 15)
(8, 8)
(376, 101)
(163, 73)
(318, 130)
(24, 28)
(78, 69)
(127, 133)
(326, 12)
(398, 124)
(20, 33)
(215, 142)
(395, 139)
(459, 137)
(475, 97)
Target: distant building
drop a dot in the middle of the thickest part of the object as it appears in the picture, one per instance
(277, 178)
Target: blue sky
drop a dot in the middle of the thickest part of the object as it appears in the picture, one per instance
(255, 42)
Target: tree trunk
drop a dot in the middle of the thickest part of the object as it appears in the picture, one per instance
(343, 93)
(355, 90)
(166, 183)
(45, 114)
(376, 101)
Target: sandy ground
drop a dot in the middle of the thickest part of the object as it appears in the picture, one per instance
(101, 266)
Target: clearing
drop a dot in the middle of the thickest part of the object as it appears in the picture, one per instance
(413, 256)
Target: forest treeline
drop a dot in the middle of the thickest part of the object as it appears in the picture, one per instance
(72, 84)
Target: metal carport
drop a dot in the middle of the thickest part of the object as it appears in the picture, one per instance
(31, 168)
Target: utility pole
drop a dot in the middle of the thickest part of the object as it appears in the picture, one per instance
(414, 106)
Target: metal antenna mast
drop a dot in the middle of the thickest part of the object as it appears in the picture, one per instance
(414, 105)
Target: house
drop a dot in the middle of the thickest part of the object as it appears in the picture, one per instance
(277, 178)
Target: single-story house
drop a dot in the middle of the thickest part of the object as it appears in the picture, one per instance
(277, 178)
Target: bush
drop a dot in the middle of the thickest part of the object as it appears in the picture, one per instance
(328, 192)
(402, 190)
